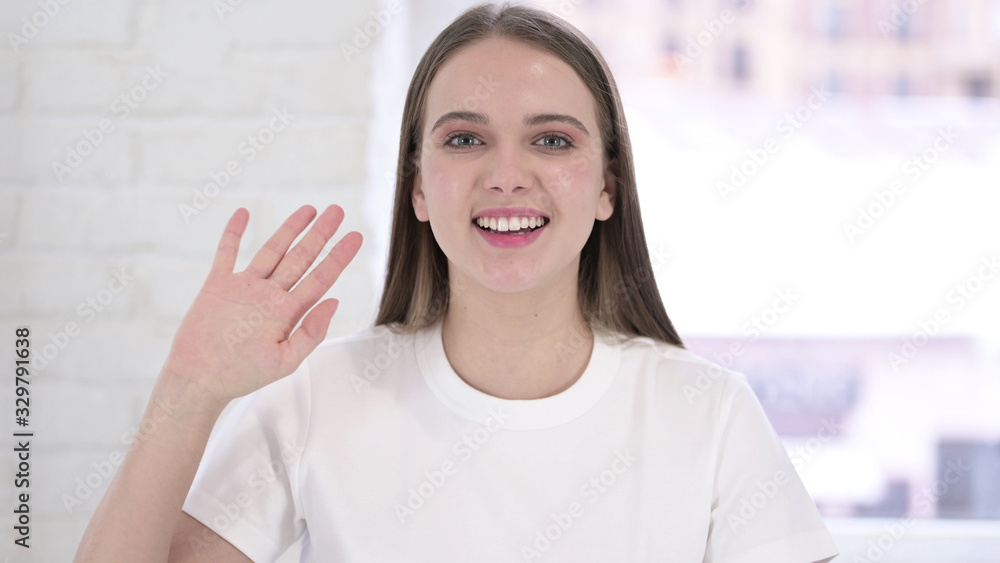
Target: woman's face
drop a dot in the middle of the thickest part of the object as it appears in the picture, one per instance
(511, 131)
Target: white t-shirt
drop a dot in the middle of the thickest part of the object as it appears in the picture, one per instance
(377, 450)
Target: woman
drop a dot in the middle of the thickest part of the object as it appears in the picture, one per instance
(522, 395)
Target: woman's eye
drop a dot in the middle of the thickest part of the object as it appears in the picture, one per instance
(555, 142)
(462, 140)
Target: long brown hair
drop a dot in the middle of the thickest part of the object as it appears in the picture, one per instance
(616, 288)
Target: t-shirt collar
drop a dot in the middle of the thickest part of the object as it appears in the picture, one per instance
(516, 414)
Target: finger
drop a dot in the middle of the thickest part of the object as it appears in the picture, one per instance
(297, 261)
(275, 248)
(311, 332)
(323, 276)
(229, 245)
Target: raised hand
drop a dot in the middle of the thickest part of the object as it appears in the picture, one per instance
(238, 334)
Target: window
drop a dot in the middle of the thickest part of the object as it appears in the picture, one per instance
(740, 65)
(823, 364)
(903, 86)
(828, 19)
(977, 86)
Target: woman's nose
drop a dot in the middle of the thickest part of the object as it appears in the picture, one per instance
(507, 169)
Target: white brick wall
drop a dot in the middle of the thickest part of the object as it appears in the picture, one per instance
(210, 82)
(8, 81)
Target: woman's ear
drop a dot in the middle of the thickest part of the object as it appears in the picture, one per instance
(609, 193)
(417, 196)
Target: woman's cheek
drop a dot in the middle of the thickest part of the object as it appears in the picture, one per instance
(562, 182)
(451, 177)
(439, 184)
(568, 179)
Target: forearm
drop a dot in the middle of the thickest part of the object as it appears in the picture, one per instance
(138, 515)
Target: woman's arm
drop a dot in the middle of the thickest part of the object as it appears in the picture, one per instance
(195, 542)
(236, 338)
(142, 507)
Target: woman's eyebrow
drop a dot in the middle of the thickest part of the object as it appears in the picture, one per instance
(529, 120)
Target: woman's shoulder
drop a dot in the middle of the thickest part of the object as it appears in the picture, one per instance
(358, 336)
(367, 337)
(367, 344)
(668, 363)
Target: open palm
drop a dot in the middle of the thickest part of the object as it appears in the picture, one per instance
(238, 334)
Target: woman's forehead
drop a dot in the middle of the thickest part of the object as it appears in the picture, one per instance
(506, 80)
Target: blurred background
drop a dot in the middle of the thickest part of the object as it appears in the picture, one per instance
(818, 180)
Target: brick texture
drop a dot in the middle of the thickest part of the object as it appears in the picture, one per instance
(113, 115)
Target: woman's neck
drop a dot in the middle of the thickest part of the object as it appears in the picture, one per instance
(517, 345)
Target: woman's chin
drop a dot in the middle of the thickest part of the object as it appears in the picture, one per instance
(511, 282)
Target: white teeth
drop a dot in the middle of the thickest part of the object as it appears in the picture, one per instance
(504, 224)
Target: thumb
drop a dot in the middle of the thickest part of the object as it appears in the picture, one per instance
(313, 330)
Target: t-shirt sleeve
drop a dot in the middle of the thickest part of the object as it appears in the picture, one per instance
(246, 487)
(761, 511)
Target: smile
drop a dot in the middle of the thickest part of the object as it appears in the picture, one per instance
(510, 225)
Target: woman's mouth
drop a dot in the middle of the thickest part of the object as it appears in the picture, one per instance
(510, 225)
